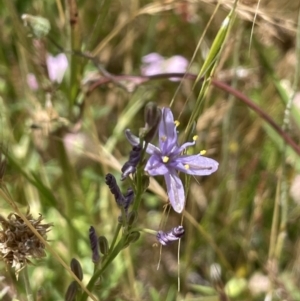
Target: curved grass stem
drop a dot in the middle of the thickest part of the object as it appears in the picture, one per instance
(29, 294)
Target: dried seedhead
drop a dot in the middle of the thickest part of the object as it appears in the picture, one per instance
(18, 243)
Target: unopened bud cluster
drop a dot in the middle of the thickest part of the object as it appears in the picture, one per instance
(123, 201)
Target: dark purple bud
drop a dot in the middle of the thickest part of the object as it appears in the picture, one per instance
(128, 196)
(94, 244)
(128, 200)
(71, 291)
(110, 180)
(152, 120)
(76, 268)
(130, 166)
(165, 238)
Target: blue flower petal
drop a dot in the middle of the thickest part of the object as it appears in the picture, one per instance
(175, 191)
(155, 166)
(134, 140)
(167, 132)
(195, 165)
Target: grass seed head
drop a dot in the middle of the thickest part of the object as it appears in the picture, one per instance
(18, 243)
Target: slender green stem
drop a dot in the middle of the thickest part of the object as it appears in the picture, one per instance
(274, 227)
(139, 190)
(115, 236)
(113, 254)
(27, 284)
(283, 180)
(145, 230)
(208, 69)
(71, 195)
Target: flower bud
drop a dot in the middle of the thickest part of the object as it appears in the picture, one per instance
(94, 244)
(128, 196)
(132, 217)
(133, 237)
(39, 26)
(110, 180)
(76, 268)
(165, 238)
(71, 292)
(152, 115)
(103, 245)
(130, 166)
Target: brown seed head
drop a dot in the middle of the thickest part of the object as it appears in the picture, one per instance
(18, 243)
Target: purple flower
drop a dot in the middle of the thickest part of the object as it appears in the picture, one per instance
(32, 82)
(166, 238)
(57, 66)
(167, 160)
(154, 63)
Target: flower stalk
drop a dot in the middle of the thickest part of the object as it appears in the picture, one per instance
(27, 285)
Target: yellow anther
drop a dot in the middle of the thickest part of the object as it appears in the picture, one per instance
(176, 122)
(165, 159)
(186, 166)
(195, 137)
(203, 152)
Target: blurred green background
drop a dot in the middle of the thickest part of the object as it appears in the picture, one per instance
(61, 139)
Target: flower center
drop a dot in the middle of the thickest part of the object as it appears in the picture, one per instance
(165, 159)
(187, 166)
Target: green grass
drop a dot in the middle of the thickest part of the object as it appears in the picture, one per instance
(241, 224)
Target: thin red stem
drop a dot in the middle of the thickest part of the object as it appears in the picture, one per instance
(216, 83)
